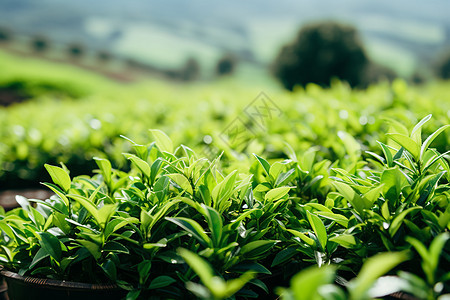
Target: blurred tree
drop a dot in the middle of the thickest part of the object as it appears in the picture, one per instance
(442, 67)
(226, 65)
(76, 50)
(104, 56)
(40, 43)
(5, 35)
(320, 52)
(374, 72)
(190, 71)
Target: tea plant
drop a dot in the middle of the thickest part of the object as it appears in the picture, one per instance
(178, 225)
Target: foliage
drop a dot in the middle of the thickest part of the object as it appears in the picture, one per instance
(178, 225)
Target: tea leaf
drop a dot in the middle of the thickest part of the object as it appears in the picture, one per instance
(255, 249)
(59, 176)
(181, 181)
(265, 165)
(303, 237)
(430, 139)
(373, 268)
(319, 228)
(416, 133)
(163, 142)
(277, 193)
(51, 245)
(160, 282)
(407, 143)
(193, 228)
(397, 222)
(305, 285)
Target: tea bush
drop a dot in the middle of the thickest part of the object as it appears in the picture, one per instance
(177, 225)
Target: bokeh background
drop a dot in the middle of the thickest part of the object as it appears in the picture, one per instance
(161, 36)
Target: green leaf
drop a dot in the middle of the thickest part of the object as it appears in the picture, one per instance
(193, 228)
(200, 266)
(109, 267)
(373, 268)
(305, 285)
(398, 220)
(284, 178)
(142, 165)
(351, 196)
(92, 247)
(255, 249)
(265, 165)
(105, 213)
(181, 181)
(416, 133)
(430, 139)
(319, 228)
(105, 167)
(59, 176)
(90, 207)
(215, 224)
(303, 237)
(40, 255)
(345, 240)
(160, 282)
(393, 182)
(116, 247)
(277, 193)
(163, 142)
(340, 219)
(58, 192)
(223, 191)
(284, 256)
(406, 142)
(234, 285)
(51, 245)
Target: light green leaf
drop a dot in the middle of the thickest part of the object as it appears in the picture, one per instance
(92, 247)
(398, 220)
(142, 165)
(416, 133)
(319, 228)
(215, 224)
(193, 228)
(430, 139)
(373, 268)
(163, 142)
(223, 191)
(181, 181)
(305, 285)
(199, 265)
(303, 237)
(407, 143)
(59, 176)
(265, 165)
(105, 167)
(277, 193)
(351, 196)
(340, 219)
(90, 207)
(345, 240)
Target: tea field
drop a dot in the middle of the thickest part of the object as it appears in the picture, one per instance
(236, 191)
